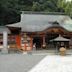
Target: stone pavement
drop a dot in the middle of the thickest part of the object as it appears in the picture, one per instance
(18, 62)
(54, 63)
(35, 63)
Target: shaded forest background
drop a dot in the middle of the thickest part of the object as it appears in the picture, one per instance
(10, 10)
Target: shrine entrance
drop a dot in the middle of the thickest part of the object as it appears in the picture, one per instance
(38, 42)
(52, 33)
(50, 45)
(43, 41)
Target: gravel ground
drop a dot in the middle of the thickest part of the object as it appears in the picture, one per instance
(18, 62)
(54, 63)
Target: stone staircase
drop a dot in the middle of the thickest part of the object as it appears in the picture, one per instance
(50, 52)
(44, 52)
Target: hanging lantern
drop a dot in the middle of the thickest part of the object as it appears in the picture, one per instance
(44, 45)
(25, 36)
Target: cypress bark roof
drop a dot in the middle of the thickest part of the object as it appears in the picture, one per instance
(39, 22)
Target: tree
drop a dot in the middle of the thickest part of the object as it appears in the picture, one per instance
(10, 9)
(66, 6)
(25, 5)
(9, 12)
(36, 6)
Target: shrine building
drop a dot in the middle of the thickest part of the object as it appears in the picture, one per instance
(40, 28)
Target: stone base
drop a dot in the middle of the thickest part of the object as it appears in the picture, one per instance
(4, 51)
(24, 52)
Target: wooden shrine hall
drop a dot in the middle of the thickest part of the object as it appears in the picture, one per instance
(38, 28)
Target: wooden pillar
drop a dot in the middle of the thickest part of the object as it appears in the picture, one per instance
(18, 41)
(25, 47)
(31, 43)
(44, 43)
(70, 43)
(25, 41)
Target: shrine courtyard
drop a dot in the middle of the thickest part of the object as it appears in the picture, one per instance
(35, 63)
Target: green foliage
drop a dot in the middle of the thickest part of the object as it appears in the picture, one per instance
(66, 6)
(10, 9)
(9, 12)
(36, 6)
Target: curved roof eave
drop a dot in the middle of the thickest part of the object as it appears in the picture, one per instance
(34, 22)
(67, 25)
(4, 28)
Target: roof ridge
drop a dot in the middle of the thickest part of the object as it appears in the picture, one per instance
(45, 13)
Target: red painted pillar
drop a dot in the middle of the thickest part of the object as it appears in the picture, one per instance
(31, 43)
(18, 41)
(25, 47)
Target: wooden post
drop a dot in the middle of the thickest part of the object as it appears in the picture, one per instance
(44, 43)
(18, 41)
(25, 47)
(31, 43)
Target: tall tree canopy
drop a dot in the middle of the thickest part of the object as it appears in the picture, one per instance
(10, 9)
(9, 12)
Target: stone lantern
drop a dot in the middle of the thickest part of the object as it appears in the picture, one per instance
(62, 51)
